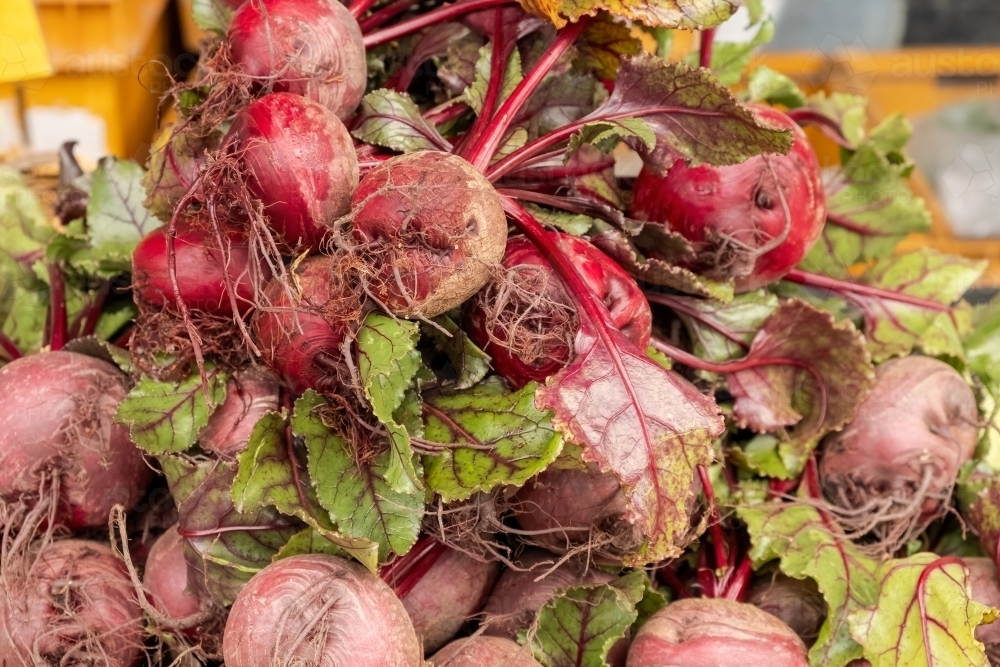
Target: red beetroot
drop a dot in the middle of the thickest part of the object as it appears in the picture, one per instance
(483, 651)
(166, 577)
(431, 229)
(517, 597)
(300, 164)
(300, 335)
(734, 215)
(201, 269)
(319, 610)
(985, 583)
(900, 455)
(311, 48)
(74, 606)
(514, 319)
(704, 632)
(448, 595)
(58, 420)
(797, 602)
(250, 393)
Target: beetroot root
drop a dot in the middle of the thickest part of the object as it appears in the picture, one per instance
(319, 610)
(448, 595)
(75, 605)
(58, 422)
(250, 393)
(166, 578)
(704, 632)
(892, 469)
(483, 651)
(430, 229)
(797, 602)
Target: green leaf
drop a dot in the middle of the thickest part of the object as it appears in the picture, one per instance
(470, 363)
(24, 304)
(508, 439)
(605, 135)
(309, 541)
(849, 111)
(689, 14)
(653, 600)
(271, 474)
(212, 15)
(768, 85)
(357, 494)
(166, 417)
(730, 59)
(723, 331)
(390, 119)
(577, 628)
(576, 224)
(24, 225)
(475, 94)
(760, 455)
(114, 317)
(924, 616)
(806, 546)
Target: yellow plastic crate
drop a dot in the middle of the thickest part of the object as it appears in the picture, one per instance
(110, 58)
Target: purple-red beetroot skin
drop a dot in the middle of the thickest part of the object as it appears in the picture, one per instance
(58, 419)
(796, 602)
(483, 651)
(311, 48)
(432, 230)
(985, 583)
(77, 607)
(704, 632)
(451, 593)
(301, 164)
(166, 577)
(517, 597)
(250, 393)
(319, 610)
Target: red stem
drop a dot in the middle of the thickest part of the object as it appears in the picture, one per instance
(714, 521)
(847, 224)
(827, 125)
(57, 300)
(502, 48)
(9, 348)
(494, 134)
(671, 302)
(406, 572)
(737, 584)
(359, 7)
(560, 171)
(672, 580)
(777, 488)
(433, 17)
(447, 114)
(939, 564)
(94, 310)
(705, 53)
(823, 282)
(384, 15)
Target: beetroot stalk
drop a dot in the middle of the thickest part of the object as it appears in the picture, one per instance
(737, 584)
(94, 310)
(843, 222)
(845, 286)
(359, 7)
(429, 19)
(407, 572)
(827, 125)
(57, 300)
(705, 52)
(9, 348)
(502, 48)
(384, 15)
(672, 580)
(715, 526)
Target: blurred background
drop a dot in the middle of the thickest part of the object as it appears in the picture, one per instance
(94, 71)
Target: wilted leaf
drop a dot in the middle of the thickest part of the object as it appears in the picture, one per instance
(603, 44)
(165, 417)
(808, 545)
(723, 331)
(690, 14)
(388, 361)
(559, 101)
(469, 362)
(270, 473)
(458, 70)
(390, 119)
(605, 135)
(507, 439)
(223, 545)
(578, 627)
(924, 616)
(357, 494)
(433, 43)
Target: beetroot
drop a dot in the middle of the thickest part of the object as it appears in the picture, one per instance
(312, 48)
(900, 455)
(517, 597)
(58, 420)
(985, 583)
(526, 320)
(483, 651)
(430, 228)
(300, 164)
(705, 632)
(300, 335)
(75, 605)
(448, 595)
(797, 602)
(319, 610)
(569, 508)
(735, 216)
(166, 577)
(250, 393)
(201, 269)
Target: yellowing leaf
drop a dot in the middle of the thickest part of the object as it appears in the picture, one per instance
(688, 14)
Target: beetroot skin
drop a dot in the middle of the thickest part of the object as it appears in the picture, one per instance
(319, 610)
(705, 632)
(448, 595)
(301, 338)
(797, 602)
(514, 318)
(75, 606)
(430, 229)
(250, 394)
(59, 420)
(200, 267)
(901, 453)
(311, 48)
(483, 651)
(733, 215)
(166, 577)
(300, 164)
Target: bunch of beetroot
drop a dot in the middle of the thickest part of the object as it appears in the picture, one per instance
(390, 358)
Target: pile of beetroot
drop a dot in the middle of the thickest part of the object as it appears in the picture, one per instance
(388, 359)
